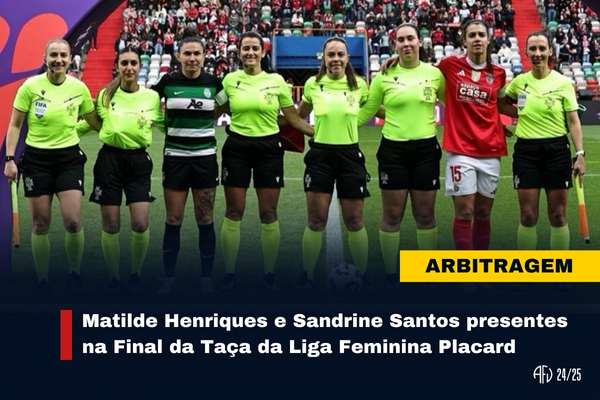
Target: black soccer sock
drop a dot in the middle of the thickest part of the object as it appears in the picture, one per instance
(171, 244)
(206, 244)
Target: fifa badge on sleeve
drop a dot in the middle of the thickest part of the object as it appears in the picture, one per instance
(521, 100)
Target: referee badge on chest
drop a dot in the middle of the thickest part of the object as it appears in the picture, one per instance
(39, 108)
(521, 100)
(475, 75)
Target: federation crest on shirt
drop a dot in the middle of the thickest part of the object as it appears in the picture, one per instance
(475, 75)
(269, 98)
(427, 93)
(549, 102)
(350, 99)
(489, 78)
(71, 109)
(141, 122)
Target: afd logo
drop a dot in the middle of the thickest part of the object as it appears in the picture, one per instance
(543, 374)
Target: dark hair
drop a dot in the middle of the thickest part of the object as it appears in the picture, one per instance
(413, 26)
(253, 35)
(551, 59)
(190, 36)
(408, 24)
(112, 87)
(349, 71)
(490, 47)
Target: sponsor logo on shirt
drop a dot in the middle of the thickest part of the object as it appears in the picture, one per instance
(195, 104)
(473, 93)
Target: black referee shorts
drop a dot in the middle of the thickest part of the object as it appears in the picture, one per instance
(49, 171)
(542, 163)
(412, 164)
(119, 170)
(342, 165)
(260, 158)
(183, 173)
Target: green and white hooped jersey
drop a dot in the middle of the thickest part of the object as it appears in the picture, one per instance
(189, 110)
(52, 110)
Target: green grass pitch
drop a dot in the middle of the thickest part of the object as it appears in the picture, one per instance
(17, 286)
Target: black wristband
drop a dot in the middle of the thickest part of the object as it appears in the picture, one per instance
(9, 158)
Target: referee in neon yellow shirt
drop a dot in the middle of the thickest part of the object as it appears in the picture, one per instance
(253, 150)
(409, 154)
(335, 94)
(123, 165)
(52, 162)
(547, 111)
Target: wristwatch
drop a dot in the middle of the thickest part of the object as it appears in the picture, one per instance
(580, 152)
(9, 158)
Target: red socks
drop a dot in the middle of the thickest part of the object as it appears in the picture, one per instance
(475, 237)
(481, 234)
(461, 231)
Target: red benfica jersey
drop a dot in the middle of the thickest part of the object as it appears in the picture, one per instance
(472, 124)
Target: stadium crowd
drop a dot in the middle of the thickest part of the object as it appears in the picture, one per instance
(156, 26)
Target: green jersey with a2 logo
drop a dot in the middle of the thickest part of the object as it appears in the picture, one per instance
(52, 110)
(189, 108)
(409, 96)
(254, 101)
(542, 104)
(336, 108)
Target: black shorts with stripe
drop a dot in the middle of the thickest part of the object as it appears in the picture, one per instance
(119, 170)
(183, 173)
(339, 165)
(258, 158)
(413, 164)
(50, 171)
(542, 163)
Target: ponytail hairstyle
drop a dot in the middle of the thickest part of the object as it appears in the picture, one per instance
(190, 36)
(490, 47)
(349, 71)
(112, 87)
(552, 58)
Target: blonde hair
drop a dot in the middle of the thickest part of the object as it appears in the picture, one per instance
(56, 40)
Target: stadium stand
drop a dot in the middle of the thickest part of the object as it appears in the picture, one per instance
(156, 26)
